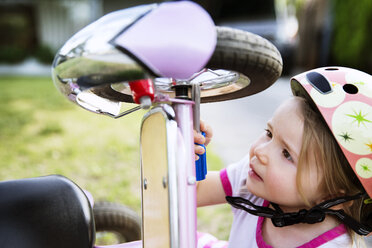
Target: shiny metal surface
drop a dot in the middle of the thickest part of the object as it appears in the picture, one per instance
(212, 83)
(87, 64)
(186, 175)
(94, 73)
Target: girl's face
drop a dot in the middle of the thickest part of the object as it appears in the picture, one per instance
(274, 157)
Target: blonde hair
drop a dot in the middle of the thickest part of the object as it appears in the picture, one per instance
(336, 175)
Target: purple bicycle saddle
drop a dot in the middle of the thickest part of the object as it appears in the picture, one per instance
(167, 40)
(174, 40)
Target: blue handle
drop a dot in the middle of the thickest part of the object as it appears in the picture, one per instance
(201, 164)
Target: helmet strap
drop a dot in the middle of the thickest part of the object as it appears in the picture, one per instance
(313, 215)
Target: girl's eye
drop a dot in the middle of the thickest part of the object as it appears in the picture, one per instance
(268, 133)
(287, 155)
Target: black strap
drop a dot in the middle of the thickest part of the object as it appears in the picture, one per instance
(314, 215)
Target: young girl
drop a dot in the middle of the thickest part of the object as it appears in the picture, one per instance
(307, 180)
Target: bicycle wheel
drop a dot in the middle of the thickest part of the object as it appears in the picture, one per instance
(257, 61)
(249, 54)
(115, 218)
(95, 72)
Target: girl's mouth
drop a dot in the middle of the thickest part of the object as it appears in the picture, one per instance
(253, 174)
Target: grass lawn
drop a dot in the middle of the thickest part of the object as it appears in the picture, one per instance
(42, 133)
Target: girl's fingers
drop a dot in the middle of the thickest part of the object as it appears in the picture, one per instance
(199, 150)
(196, 157)
(198, 138)
(207, 130)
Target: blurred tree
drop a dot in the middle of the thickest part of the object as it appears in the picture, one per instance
(352, 36)
(312, 24)
(17, 31)
(335, 32)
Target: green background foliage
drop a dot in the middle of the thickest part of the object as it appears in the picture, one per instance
(42, 133)
(352, 33)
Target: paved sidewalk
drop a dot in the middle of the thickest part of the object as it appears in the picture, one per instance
(29, 67)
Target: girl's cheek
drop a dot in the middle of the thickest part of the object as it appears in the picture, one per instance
(280, 181)
(274, 181)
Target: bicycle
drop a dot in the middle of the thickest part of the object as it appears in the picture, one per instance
(110, 62)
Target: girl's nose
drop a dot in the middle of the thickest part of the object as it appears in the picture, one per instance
(261, 152)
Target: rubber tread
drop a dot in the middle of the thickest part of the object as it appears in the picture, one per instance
(117, 218)
(236, 50)
(248, 54)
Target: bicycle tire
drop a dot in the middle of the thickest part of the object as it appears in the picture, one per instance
(249, 54)
(237, 50)
(118, 219)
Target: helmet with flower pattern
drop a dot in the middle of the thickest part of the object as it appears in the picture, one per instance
(343, 96)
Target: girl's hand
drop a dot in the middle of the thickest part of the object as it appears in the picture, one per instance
(200, 139)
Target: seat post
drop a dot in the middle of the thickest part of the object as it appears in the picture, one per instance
(186, 175)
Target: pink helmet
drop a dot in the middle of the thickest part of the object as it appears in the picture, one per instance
(343, 96)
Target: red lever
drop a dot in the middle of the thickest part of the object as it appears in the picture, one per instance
(140, 88)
